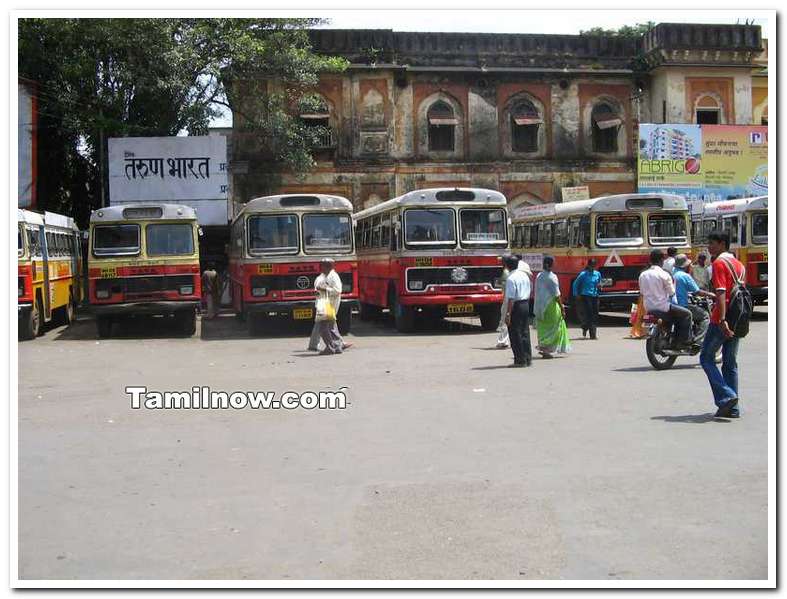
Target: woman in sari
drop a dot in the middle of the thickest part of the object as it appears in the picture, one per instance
(550, 313)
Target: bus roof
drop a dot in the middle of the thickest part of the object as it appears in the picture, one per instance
(735, 206)
(143, 211)
(612, 203)
(297, 202)
(440, 195)
(48, 218)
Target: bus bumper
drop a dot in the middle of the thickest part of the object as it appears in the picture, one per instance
(150, 308)
(759, 294)
(286, 308)
(444, 300)
(618, 299)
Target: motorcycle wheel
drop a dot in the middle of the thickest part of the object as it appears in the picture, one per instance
(658, 361)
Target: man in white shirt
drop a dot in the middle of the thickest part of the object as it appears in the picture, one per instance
(669, 264)
(701, 272)
(517, 303)
(658, 289)
(329, 288)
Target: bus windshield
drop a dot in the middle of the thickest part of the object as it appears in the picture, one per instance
(667, 229)
(424, 227)
(169, 239)
(483, 226)
(619, 230)
(759, 228)
(115, 240)
(273, 233)
(327, 232)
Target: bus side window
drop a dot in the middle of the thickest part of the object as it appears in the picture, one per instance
(584, 231)
(376, 231)
(533, 235)
(385, 231)
(743, 231)
(395, 231)
(358, 243)
(561, 234)
(730, 224)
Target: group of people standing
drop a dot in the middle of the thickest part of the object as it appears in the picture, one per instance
(548, 309)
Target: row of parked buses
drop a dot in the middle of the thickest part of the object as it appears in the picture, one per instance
(427, 254)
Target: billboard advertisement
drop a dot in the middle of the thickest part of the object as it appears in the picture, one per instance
(181, 170)
(703, 163)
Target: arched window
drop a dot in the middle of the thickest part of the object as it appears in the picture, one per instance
(525, 121)
(605, 122)
(708, 111)
(764, 117)
(442, 127)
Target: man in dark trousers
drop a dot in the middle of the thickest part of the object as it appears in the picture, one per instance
(585, 291)
(517, 296)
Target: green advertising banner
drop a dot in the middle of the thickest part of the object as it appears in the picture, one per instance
(703, 163)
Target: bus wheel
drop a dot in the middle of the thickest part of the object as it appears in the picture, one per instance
(344, 320)
(187, 322)
(69, 311)
(369, 312)
(490, 317)
(104, 326)
(404, 317)
(30, 323)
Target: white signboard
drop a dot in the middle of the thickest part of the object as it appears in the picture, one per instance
(534, 210)
(25, 141)
(534, 261)
(573, 194)
(179, 170)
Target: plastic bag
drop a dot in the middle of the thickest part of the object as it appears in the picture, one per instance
(324, 309)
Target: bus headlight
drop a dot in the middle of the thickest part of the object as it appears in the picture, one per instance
(259, 291)
(764, 277)
(102, 293)
(416, 285)
(606, 282)
(187, 290)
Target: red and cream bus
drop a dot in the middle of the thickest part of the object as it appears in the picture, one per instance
(276, 244)
(619, 231)
(746, 220)
(433, 253)
(144, 260)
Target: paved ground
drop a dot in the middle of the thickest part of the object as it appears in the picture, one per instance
(446, 464)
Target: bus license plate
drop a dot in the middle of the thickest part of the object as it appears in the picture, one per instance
(302, 313)
(460, 308)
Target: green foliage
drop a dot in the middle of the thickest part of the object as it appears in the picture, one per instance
(637, 30)
(151, 77)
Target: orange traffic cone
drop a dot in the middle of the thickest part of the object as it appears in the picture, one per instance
(637, 314)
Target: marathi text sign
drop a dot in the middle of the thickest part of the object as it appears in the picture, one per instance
(703, 163)
(168, 169)
(575, 194)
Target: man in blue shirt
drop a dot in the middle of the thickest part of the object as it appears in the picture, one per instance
(585, 291)
(517, 303)
(684, 285)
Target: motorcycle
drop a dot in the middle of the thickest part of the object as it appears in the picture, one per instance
(660, 346)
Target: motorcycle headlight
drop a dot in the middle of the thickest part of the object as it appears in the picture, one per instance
(259, 291)
(102, 293)
(187, 290)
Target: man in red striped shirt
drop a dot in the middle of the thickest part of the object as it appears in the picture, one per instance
(724, 384)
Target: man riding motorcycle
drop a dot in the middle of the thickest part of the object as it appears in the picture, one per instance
(685, 284)
(657, 289)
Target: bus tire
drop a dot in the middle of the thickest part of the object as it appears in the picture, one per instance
(369, 312)
(404, 317)
(187, 322)
(30, 323)
(490, 317)
(69, 311)
(344, 320)
(104, 326)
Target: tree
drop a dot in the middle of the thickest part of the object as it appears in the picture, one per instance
(637, 30)
(101, 78)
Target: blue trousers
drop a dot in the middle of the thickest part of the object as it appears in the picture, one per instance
(724, 384)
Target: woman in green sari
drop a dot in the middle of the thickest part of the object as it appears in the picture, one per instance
(550, 313)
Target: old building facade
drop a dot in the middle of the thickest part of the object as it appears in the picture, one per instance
(523, 114)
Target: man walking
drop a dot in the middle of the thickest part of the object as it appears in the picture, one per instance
(517, 304)
(211, 290)
(329, 290)
(726, 271)
(657, 289)
(585, 291)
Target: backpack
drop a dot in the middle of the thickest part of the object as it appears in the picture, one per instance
(741, 304)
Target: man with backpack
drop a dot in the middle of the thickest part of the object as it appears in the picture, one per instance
(729, 322)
